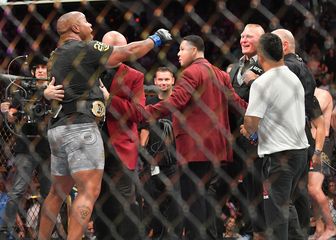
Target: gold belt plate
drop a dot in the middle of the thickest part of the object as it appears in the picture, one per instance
(98, 108)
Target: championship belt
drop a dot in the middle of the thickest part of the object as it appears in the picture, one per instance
(98, 109)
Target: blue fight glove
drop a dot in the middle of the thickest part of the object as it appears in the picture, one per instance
(160, 37)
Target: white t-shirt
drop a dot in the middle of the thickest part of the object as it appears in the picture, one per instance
(277, 97)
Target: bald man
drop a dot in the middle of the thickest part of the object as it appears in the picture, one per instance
(126, 83)
(114, 38)
(77, 152)
(314, 116)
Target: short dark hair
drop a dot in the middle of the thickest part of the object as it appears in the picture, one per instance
(270, 46)
(196, 41)
(37, 59)
(164, 69)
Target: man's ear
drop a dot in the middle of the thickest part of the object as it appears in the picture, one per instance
(285, 46)
(75, 28)
(195, 51)
(32, 73)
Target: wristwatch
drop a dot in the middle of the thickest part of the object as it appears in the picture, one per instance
(317, 152)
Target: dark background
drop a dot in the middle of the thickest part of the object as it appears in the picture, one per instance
(27, 29)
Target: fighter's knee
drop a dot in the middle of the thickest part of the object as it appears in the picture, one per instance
(90, 190)
(95, 192)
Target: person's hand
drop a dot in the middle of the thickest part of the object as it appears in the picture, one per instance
(54, 92)
(5, 107)
(316, 161)
(9, 112)
(104, 90)
(244, 132)
(160, 37)
(90, 227)
(11, 117)
(249, 76)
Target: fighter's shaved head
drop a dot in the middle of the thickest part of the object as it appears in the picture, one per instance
(66, 21)
(286, 36)
(114, 38)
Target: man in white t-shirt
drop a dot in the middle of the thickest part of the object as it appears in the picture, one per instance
(276, 112)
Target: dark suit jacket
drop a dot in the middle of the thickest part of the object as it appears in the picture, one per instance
(127, 84)
(199, 106)
(242, 90)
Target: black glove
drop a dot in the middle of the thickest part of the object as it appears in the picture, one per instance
(160, 37)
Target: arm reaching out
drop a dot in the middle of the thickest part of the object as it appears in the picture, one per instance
(135, 50)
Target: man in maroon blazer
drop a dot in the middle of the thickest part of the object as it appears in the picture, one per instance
(121, 144)
(199, 106)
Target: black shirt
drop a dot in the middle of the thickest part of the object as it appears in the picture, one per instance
(312, 106)
(156, 143)
(77, 65)
(297, 66)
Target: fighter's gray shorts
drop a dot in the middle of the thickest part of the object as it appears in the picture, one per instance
(75, 147)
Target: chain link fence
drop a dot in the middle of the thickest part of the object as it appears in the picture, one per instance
(29, 27)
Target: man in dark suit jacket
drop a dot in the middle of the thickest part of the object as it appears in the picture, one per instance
(242, 77)
(121, 147)
(199, 107)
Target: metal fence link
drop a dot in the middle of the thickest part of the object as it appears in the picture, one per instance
(29, 27)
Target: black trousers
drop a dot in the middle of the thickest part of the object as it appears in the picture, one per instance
(250, 202)
(204, 190)
(282, 172)
(301, 199)
(117, 213)
(164, 195)
(253, 186)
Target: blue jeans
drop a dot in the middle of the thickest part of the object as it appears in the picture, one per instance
(282, 172)
(25, 164)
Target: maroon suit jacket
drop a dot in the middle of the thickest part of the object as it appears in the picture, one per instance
(126, 84)
(199, 106)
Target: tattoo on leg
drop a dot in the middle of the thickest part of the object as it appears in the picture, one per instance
(84, 211)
